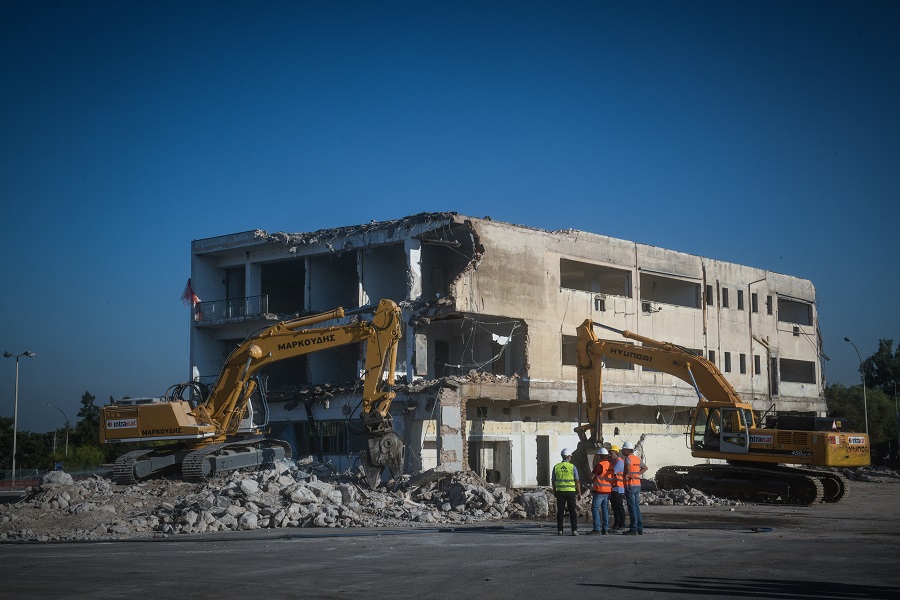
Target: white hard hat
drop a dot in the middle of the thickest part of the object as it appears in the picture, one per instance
(627, 446)
(603, 451)
(565, 452)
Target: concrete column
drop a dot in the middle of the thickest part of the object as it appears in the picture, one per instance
(362, 294)
(253, 279)
(449, 429)
(253, 287)
(416, 345)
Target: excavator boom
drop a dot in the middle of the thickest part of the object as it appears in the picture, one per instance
(224, 430)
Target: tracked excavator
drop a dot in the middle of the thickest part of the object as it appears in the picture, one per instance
(771, 461)
(204, 432)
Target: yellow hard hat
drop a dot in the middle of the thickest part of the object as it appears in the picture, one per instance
(614, 448)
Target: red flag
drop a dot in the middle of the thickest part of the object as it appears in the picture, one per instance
(188, 297)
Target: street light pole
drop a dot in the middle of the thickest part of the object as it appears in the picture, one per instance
(67, 425)
(29, 354)
(863, 374)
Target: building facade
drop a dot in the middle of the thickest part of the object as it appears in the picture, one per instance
(488, 355)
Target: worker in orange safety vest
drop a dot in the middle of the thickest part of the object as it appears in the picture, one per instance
(634, 468)
(603, 478)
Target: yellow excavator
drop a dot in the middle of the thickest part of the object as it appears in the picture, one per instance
(750, 457)
(221, 429)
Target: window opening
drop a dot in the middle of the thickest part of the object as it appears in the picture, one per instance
(797, 371)
(587, 277)
(791, 311)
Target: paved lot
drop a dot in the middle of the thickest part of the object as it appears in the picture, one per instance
(842, 551)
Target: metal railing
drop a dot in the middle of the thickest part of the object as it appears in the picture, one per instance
(250, 306)
(22, 475)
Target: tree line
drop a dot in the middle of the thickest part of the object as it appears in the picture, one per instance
(881, 372)
(36, 450)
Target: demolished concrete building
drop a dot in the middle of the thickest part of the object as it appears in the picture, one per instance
(490, 313)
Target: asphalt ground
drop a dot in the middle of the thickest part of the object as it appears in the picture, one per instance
(839, 551)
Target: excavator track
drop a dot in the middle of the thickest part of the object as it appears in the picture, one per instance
(123, 468)
(778, 485)
(834, 485)
(229, 456)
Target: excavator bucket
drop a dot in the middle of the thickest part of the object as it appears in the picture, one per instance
(385, 450)
(581, 458)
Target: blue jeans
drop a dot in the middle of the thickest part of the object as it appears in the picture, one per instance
(601, 502)
(633, 498)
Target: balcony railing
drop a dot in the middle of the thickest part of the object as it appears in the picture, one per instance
(251, 306)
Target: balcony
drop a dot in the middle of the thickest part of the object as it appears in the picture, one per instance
(234, 309)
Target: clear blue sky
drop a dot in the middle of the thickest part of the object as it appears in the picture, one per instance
(763, 133)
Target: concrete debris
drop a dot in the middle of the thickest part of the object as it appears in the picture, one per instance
(879, 473)
(689, 497)
(290, 494)
(287, 495)
(328, 237)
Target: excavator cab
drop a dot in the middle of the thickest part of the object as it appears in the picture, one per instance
(256, 413)
(721, 427)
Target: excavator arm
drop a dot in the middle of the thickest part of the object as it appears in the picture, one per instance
(704, 377)
(214, 434)
(228, 398)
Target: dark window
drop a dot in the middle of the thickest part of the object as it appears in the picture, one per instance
(712, 356)
(328, 437)
(768, 305)
(669, 290)
(481, 412)
(791, 311)
(570, 350)
(754, 302)
(757, 366)
(743, 363)
(587, 277)
(710, 299)
(773, 372)
(728, 362)
(724, 297)
(740, 299)
(798, 371)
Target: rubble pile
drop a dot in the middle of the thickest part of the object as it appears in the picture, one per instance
(284, 496)
(691, 497)
(874, 473)
(290, 495)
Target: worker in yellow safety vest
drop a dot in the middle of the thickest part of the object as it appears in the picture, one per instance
(567, 488)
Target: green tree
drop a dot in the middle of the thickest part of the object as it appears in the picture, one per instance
(87, 430)
(6, 444)
(83, 457)
(847, 403)
(882, 369)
